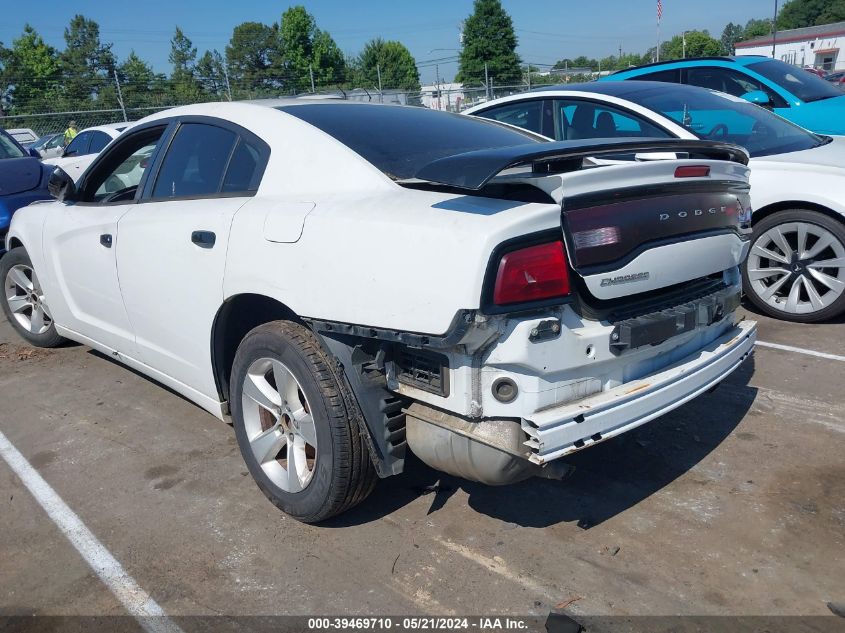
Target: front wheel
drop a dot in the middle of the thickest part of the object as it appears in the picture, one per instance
(24, 303)
(796, 266)
(296, 426)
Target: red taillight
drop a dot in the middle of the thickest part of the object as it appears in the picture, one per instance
(692, 171)
(531, 274)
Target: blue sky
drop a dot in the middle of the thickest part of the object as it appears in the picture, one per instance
(548, 30)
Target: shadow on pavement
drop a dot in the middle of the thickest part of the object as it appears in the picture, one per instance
(609, 477)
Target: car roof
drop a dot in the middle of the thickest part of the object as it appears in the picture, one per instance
(620, 89)
(113, 129)
(739, 60)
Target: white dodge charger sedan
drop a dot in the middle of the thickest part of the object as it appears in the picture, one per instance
(83, 149)
(350, 280)
(796, 265)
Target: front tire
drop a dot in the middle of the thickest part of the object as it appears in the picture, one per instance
(296, 425)
(24, 304)
(795, 268)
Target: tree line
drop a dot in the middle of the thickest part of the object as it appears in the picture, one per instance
(794, 14)
(291, 56)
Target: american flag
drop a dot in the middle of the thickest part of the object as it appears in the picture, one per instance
(659, 10)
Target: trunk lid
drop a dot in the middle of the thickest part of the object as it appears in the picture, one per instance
(637, 228)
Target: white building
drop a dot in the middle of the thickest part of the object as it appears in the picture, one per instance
(450, 97)
(817, 46)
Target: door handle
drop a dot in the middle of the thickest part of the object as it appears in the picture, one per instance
(203, 239)
(106, 240)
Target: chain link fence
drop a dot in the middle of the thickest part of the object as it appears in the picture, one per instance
(449, 97)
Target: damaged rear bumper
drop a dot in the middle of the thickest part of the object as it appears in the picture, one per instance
(561, 430)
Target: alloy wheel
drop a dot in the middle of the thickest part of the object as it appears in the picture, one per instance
(797, 267)
(26, 299)
(279, 424)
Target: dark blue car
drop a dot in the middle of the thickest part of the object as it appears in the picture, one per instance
(23, 179)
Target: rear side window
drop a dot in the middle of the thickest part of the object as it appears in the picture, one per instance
(666, 76)
(195, 162)
(99, 140)
(526, 114)
(243, 173)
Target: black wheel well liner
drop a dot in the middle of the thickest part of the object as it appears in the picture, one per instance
(796, 205)
(234, 320)
(14, 243)
(382, 422)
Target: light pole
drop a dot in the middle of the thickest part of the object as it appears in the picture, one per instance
(775, 31)
(684, 38)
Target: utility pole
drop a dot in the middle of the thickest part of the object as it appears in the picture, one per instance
(378, 72)
(486, 81)
(684, 37)
(775, 32)
(529, 76)
(120, 96)
(311, 74)
(226, 77)
(437, 88)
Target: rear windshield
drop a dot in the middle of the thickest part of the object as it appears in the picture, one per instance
(400, 140)
(804, 85)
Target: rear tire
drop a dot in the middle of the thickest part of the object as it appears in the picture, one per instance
(296, 425)
(784, 275)
(24, 304)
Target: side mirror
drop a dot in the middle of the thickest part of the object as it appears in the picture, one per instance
(34, 153)
(61, 185)
(757, 97)
(67, 153)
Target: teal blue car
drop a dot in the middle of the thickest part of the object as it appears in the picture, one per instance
(791, 92)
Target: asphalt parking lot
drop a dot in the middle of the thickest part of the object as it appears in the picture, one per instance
(733, 504)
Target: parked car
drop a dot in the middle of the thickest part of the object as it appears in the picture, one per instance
(24, 136)
(796, 267)
(800, 97)
(818, 72)
(49, 146)
(83, 149)
(23, 179)
(349, 280)
(837, 79)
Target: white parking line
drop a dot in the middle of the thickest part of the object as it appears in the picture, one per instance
(801, 350)
(137, 601)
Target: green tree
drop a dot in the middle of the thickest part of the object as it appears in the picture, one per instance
(797, 14)
(86, 65)
(732, 34)
(211, 75)
(397, 65)
(698, 44)
(31, 73)
(307, 49)
(756, 28)
(183, 57)
(254, 57)
(138, 82)
(489, 37)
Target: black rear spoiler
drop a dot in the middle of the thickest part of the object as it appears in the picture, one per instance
(473, 170)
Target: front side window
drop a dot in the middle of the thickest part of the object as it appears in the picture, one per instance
(118, 174)
(577, 119)
(79, 145)
(195, 162)
(730, 82)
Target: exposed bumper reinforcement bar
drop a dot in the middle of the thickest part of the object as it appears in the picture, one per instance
(559, 431)
(651, 329)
